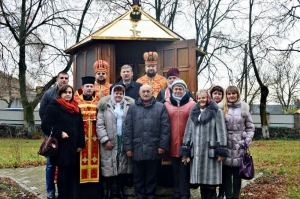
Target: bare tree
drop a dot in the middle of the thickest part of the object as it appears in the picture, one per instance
(208, 18)
(286, 83)
(165, 11)
(264, 90)
(287, 20)
(24, 22)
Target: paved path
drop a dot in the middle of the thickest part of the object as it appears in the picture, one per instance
(33, 180)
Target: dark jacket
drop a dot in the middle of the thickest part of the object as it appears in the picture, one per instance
(45, 101)
(161, 95)
(61, 120)
(132, 90)
(147, 128)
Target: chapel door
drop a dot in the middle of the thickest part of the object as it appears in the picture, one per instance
(84, 61)
(181, 55)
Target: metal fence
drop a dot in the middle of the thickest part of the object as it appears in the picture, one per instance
(287, 121)
(16, 117)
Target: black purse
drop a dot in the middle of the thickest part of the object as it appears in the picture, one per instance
(246, 170)
(49, 146)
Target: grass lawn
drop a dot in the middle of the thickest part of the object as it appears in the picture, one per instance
(20, 153)
(279, 160)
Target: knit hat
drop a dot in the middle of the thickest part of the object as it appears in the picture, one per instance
(217, 88)
(173, 72)
(179, 82)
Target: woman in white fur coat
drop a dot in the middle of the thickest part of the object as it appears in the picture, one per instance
(205, 142)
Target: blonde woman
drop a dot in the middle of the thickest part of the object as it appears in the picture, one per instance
(240, 131)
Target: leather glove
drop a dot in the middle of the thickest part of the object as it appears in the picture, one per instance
(185, 160)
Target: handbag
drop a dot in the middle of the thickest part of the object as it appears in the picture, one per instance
(49, 146)
(246, 169)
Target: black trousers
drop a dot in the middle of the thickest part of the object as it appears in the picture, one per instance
(145, 177)
(232, 181)
(181, 179)
(64, 185)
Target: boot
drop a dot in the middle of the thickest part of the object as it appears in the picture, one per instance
(221, 192)
(109, 183)
(120, 185)
(203, 192)
(211, 193)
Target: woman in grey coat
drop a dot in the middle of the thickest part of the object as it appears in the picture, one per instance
(110, 124)
(205, 142)
(240, 131)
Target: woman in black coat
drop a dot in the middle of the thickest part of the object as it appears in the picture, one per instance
(63, 118)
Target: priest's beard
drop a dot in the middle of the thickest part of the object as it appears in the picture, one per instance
(101, 81)
(151, 74)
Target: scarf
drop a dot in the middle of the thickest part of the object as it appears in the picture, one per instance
(201, 110)
(71, 107)
(119, 115)
(146, 103)
(178, 99)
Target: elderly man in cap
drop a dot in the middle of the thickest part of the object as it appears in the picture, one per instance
(172, 75)
(156, 81)
(89, 157)
(102, 88)
(146, 137)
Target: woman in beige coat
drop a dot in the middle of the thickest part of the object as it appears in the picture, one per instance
(110, 122)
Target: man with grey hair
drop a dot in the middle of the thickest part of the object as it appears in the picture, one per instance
(131, 87)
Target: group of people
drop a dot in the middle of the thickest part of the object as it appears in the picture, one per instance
(130, 130)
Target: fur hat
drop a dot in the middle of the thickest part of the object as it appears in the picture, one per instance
(179, 82)
(173, 72)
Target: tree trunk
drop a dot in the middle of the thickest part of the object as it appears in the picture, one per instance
(264, 89)
(27, 108)
(263, 113)
(29, 121)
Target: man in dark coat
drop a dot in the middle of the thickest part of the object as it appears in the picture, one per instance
(61, 80)
(146, 137)
(131, 87)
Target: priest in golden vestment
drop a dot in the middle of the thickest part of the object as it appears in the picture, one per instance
(156, 81)
(90, 185)
(102, 87)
